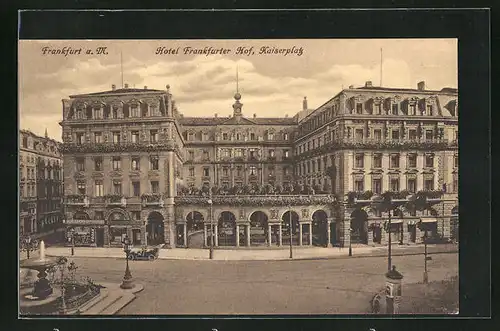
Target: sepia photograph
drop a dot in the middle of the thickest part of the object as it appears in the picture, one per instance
(238, 177)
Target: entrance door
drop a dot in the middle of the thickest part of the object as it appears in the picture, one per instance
(412, 229)
(377, 234)
(136, 235)
(99, 237)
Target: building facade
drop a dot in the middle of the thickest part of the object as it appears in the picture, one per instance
(135, 165)
(41, 184)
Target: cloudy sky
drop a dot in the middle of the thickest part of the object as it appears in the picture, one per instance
(271, 85)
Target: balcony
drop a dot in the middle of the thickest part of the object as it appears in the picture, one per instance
(77, 200)
(257, 200)
(152, 199)
(118, 147)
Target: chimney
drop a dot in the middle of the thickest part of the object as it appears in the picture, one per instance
(351, 87)
(113, 87)
(421, 86)
(145, 87)
(215, 115)
(126, 85)
(368, 83)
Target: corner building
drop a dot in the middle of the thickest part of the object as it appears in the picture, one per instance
(135, 165)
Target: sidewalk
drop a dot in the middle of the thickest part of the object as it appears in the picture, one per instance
(299, 253)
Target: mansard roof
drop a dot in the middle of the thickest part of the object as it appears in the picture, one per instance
(232, 121)
(379, 88)
(117, 91)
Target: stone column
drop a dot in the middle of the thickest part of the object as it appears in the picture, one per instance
(205, 235)
(269, 238)
(310, 234)
(185, 234)
(216, 232)
(300, 234)
(280, 235)
(328, 234)
(237, 235)
(247, 228)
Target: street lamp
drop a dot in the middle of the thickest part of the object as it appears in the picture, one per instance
(72, 238)
(290, 220)
(210, 202)
(350, 241)
(128, 281)
(28, 245)
(389, 253)
(422, 226)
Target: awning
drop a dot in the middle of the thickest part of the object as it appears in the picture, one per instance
(428, 220)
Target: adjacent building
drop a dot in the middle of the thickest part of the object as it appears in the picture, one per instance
(40, 184)
(134, 165)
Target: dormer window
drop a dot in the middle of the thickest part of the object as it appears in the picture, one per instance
(377, 109)
(190, 136)
(80, 138)
(238, 136)
(134, 111)
(359, 108)
(270, 136)
(395, 109)
(98, 113)
(429, 110)
(285, 136)
(412, 110)
(225, 136)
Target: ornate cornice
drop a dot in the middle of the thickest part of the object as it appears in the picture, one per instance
(71, 148)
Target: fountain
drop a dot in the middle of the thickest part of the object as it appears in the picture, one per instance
(42, 295)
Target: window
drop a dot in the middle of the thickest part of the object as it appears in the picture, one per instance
(286, 153)
(377, 186)
(455, 161)
(359, 185)
(134, 111)
(308, 145)
(271, 170)
(359, 134)
(395, 184)
(98, 164)
(455, 184)
(99, 188)
(98, 113)
(377, 161)
(429, 161)
(314, 143)
(116, 137)
(205, 136)
(206, 156)
(412, 134)
(135, 136)
(271, 153)
(239, 152)
(154, 163)
(80, 187)
(285, 136)
(429, 184)
(270, 136)
(412, 160)
(395, 161)
(238, 136)
(252, 154)
(313, 166)
(224, 136)
(136, 215)
(97, 137)
(155, 186)
(395, 134)
(377, 134)
(136, 162)
(456, 135)
(252, 136)
(285, 171)
(80, 138)
(359, 161)
(25, 142)
(225, 172)
(252, 170)
(428, 134)
(226, 153)
(412, 110)
(117, 163)
(190, 136)
(238, 171)
(395, 109)
(136, 189)
(80, 164)
(153, 136)
(191, 172)
(412, 185)
(378, 110)
(206, 172)
(191, 155)
(117, 187)
(429, 110)
(359, 108)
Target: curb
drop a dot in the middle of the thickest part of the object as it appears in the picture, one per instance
(361, 255)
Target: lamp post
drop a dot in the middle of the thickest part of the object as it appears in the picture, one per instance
(128, 281)
(72, 242)
(389, 253)
(350, 245)
(28, 245)
(426, 275)
(290, 221)
(210, 202)
(61, 261)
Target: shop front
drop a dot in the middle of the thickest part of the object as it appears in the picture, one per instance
(84, 233)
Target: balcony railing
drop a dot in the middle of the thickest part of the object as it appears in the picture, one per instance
(152, 199)
(258, 200)
(77, 200)
(118, 147)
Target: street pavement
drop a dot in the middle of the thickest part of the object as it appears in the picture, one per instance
(255, 254)
(320, 286)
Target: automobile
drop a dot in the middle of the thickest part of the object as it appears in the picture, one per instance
(144, 253)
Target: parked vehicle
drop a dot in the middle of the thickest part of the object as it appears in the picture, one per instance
(144, 253)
